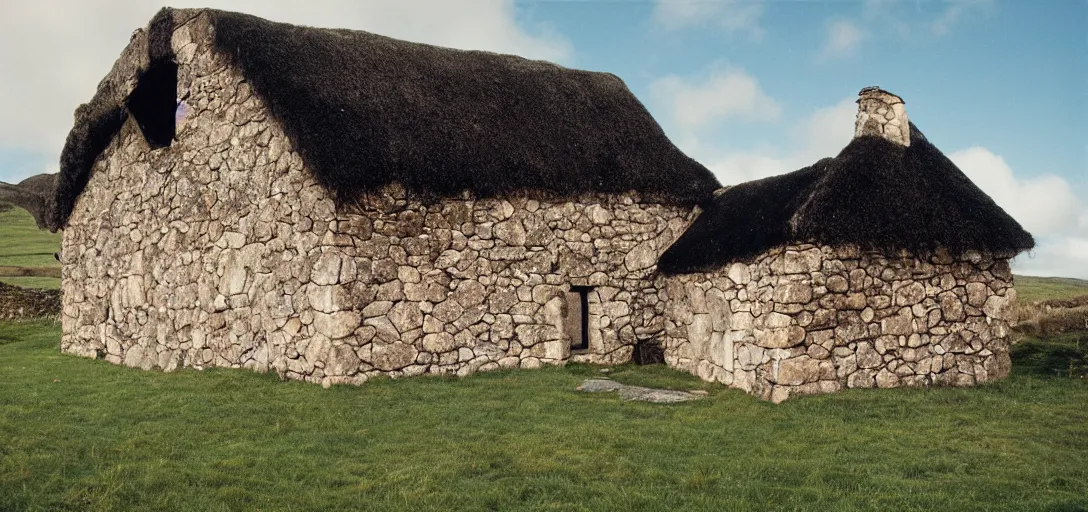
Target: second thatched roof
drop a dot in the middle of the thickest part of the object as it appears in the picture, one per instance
(875, 194)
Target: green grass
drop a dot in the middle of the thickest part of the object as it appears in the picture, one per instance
(1061, 356)
(79, 434)
(22, 244)
(1030, 288)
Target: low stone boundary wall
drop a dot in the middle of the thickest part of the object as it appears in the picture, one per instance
(21, 303)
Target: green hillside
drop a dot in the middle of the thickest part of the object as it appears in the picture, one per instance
(1031, 288)
(22, 244)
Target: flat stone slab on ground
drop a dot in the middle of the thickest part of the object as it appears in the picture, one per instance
(638, 393)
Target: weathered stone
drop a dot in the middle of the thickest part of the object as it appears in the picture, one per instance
(439, 342)
(854, 301)
(817, 352)
(749, 356)
(511, 232)
(321, 298)
(1001, 308)
(850, 327)
(326, 269)
(392, 356)
(700, 329)
(796, 371)
(342, 361)
(868, 357)
(384, 329)
(794, 262)
(837, 284)
(739, 274)
(377, 308)
(951, 307)
(598, 215)
(793, 292)
(469, 293)
(910, 294)
(861, 379)
(976, 294)
(405, 316)
(897, 324)
(642, 256)
(886, 379)
(337, 325)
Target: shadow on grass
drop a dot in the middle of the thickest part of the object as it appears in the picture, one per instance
(1063, 356)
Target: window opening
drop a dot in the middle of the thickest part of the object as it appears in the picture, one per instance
(154, 103)
(581, 323)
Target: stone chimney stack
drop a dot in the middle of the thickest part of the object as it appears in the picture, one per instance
(882, 113)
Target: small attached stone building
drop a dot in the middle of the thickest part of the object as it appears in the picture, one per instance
(882, 267)
(335, 205)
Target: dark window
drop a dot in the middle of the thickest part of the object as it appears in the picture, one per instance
(154, 102)
(578, 317)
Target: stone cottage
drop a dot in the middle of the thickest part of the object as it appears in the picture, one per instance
(882, 267)
(335, 205)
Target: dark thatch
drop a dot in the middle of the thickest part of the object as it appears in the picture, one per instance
(365, 110)
(875, 194)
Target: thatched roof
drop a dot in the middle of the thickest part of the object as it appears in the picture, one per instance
(875, 194)
(365, 110)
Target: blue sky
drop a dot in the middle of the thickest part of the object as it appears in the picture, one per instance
(750, 88)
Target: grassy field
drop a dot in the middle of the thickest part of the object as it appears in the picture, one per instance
(22, 244)
(79, 434)
(1030, 288)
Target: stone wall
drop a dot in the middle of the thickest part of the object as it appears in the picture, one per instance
(806, 319)
(221, 250)
(18, 303)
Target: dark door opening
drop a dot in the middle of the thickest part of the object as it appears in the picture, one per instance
(578, 317)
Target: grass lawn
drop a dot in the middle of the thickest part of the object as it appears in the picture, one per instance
(79, 434)
(22, 244)
(1030, 288)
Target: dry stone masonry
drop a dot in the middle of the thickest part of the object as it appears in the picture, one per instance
(222, 250)
(882, 114)
(18, 303)
(805, 319)
(218, 247)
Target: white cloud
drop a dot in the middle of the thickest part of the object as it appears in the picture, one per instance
(54, 53)
(954, 12)
(1045, 205)
(722, 93)
(735, 16)
(843, 38)
(821, 134)
(890, 15)
(1064, 256)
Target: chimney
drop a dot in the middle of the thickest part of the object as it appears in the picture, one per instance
(882, 113)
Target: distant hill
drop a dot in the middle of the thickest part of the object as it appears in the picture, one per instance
(1031, 288)
(28, 249)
